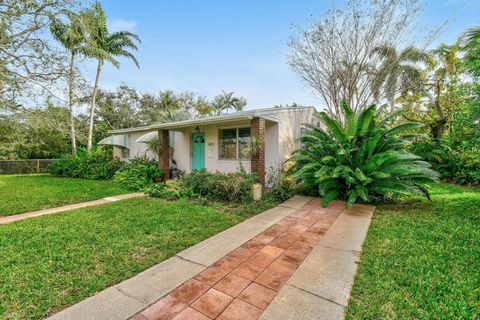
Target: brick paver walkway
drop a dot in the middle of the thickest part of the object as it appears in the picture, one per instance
(244, 282)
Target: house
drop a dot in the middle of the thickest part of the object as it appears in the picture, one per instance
(218, 143)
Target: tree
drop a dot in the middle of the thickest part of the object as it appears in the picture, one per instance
(29, 64)
(360, 159)
(225, 101)
(471, 44)
(105, 46)
(72, 36)
(398, 71)
(335, 55)
(435, 96)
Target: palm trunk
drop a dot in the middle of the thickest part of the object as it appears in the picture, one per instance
(92, 107)
(70, 103)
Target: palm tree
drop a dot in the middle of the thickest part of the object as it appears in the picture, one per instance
(105, 46)
(227, 100)
(397, 70)
(471, 44)
(72, 36)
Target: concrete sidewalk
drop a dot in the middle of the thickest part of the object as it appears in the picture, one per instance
(32, 214)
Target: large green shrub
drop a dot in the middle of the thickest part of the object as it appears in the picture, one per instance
(97, 164)
(452, 161)
(360, 159)
(138, 173)
(232, 187)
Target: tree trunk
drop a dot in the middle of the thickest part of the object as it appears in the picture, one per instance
(439, 127)
(70, 102)
(92, 107)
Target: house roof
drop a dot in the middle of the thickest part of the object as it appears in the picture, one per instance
(268, 113)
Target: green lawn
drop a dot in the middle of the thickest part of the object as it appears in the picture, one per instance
(22, 193)
(421, 260)
(51, 262)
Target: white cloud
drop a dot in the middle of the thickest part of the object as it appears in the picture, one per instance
(122, 25)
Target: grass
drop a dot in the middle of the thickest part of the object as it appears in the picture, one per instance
(421, 260)
(51, 262)
(23, 193)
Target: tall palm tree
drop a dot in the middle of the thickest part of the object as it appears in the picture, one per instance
(105, 46)
(72, 36)
(226, 101)
(398, 70)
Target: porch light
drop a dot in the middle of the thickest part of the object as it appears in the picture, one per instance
(197, 129)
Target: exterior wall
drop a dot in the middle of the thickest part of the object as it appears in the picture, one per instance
(272, 155)
(212, 162)
(290, 130)
(138, 149)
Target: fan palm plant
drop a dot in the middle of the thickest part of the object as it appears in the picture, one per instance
(105, 46)
(72, 36)
(361, 159)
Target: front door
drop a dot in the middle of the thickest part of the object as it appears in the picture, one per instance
(198, 151)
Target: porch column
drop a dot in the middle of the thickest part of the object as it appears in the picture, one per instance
(164, 156)
(257, 129)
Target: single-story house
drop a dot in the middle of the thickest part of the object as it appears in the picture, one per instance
(218, 143)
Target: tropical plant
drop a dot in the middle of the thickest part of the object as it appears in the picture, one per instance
(72, 35)
(471, 44)
(361, 159)
(138, 173)
(397, 70)
(226, 101)
(98, 164)
(105, 46)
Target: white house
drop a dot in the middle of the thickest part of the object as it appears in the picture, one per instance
(216, 143)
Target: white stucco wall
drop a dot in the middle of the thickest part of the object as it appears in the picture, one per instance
(290, 129)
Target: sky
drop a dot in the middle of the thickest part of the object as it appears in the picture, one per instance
(206, 46)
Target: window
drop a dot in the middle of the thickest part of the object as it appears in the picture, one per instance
(233, 142)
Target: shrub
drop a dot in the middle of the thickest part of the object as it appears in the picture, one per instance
(361, 159)
(138, 173)
(232, 187)
(452, 162)
(97, 164)
(278, 186)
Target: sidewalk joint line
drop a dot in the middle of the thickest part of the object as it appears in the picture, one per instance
(316, 295)
(185, 259)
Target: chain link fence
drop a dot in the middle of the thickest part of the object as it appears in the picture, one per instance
(25, 166)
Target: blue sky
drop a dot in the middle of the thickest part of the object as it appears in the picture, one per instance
(234, 45)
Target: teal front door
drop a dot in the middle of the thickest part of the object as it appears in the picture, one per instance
(198, 151)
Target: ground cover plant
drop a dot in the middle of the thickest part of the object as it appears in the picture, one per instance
(361, 158)
(421, 259)
(54, 261)
(22, 193)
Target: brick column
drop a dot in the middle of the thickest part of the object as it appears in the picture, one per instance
(258, 160)
(164, 156)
